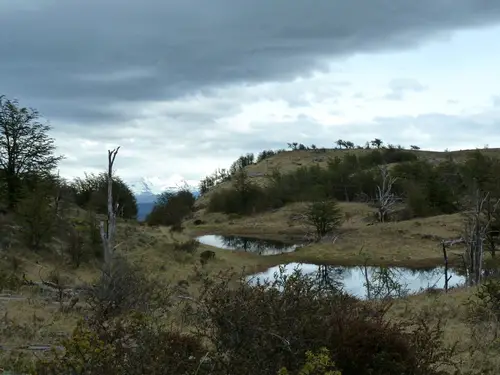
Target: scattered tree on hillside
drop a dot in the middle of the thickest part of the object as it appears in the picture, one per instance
(241, 163)
(220, 175)
(349, 144)
(25, 146)
(340, 143)
(266, 154)
(385, 198)
(325, 217)
(376, 143)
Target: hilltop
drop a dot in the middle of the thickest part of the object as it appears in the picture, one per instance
(287, 161)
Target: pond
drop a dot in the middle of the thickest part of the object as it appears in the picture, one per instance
(382, 281)
(249, 244)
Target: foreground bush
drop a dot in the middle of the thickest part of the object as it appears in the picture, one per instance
(249, 328)
(125, 288)
(264, 328)
(132, 344)
(316, 364)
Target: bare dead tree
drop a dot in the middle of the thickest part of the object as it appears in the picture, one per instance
(108, 234)
(385, 198)
(493, 218)
(476, 229)
(445, 245)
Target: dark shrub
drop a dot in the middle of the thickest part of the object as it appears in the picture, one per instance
(189, 246)
(206, 256)
(132, 344)
(124, 287)
(244, 197)
(260, 329)
(171, 208)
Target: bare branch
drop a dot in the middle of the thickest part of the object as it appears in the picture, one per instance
(476, 229)
(385, 199)
(107, 235)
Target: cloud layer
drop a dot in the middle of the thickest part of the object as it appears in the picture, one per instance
(178, 77)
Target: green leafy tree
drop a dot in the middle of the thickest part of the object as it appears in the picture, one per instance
(376, 143)
(37, 217)
(349, 144)
(325, 217)
(171, 208)
(92, 193)
(242, 162)
(25, 147)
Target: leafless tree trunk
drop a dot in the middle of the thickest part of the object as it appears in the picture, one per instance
(107, 235)
(475, 232)
(385, 199)
(445, 245)
(491, 215)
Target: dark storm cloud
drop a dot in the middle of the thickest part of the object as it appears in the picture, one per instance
(94, 53)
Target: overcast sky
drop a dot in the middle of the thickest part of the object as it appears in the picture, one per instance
(186, 86)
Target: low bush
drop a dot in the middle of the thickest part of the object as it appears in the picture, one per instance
(263, 328)
(291, 325)
(316, 364)
(124, 287)
(189, 246)
(132, 344)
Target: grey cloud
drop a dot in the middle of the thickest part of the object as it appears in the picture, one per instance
(496, 100)
(93, 54)
(165, 147)
(399, 87)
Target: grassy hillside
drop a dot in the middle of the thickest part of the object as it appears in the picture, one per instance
(290, 161)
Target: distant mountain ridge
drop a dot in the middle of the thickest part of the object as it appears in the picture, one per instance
(146, 192)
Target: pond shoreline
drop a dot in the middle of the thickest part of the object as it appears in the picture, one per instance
(319, 254)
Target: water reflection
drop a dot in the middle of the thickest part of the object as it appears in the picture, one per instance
(249, 244)
(371, 282)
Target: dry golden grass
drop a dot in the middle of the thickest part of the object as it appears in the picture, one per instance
(35, 320)
(476, 346)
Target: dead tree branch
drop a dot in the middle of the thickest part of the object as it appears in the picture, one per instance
(385, 198)
(445, 245)
(476, 229)
(108, 235)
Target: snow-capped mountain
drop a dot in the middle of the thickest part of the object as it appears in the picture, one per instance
(147, 190)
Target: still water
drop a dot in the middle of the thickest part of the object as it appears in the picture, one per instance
(372, 282)
(251, 245)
